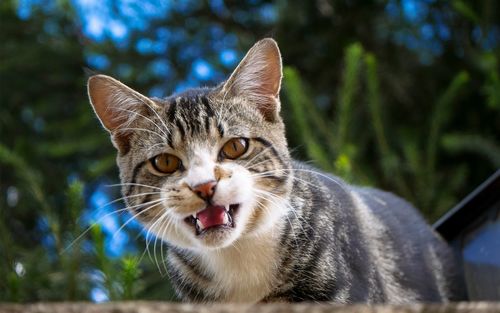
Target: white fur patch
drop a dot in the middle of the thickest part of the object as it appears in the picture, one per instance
(244, 271)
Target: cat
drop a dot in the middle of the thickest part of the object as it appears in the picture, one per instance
(208, 171)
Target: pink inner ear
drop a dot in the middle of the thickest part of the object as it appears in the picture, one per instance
(258, 78)
(271, 76)
(114, 104)
(100, 93)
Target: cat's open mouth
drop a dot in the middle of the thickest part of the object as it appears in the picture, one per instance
(213, 217)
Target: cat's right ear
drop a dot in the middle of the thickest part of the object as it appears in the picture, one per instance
(117, 106)
(258, 78)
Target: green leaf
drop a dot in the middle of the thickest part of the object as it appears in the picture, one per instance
(300, 105)
(353, 60)
(474, 144)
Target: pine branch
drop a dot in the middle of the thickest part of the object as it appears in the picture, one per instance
(476, 144)
(352, 59)
(439, 118)
(389, 161)
(300, 105)
(31, 178)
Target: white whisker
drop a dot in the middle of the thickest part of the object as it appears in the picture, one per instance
(134, 184)
(154, 204)
(142, 129)
(146, 118)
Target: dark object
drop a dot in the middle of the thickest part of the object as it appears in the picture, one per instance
(472, 228)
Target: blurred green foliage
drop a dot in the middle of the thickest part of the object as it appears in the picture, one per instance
(357, 102)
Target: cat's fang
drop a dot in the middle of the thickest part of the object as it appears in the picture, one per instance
(199, 226)
(225, 219)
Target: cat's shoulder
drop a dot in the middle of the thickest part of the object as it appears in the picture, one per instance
(378, 201)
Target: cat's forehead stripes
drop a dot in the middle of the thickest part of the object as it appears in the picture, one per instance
(192, 116)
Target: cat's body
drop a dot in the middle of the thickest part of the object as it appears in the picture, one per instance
(209, 172)
(344, 244)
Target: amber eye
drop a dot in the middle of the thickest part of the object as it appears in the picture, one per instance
(234, 148)
(165, 163)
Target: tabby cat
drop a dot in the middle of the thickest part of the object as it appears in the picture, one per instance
(209, 172)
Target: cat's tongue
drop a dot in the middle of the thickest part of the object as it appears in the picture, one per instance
(212, 216)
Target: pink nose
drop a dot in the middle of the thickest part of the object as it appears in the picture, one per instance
(205, 190)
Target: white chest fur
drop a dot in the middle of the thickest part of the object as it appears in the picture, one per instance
(245, 272)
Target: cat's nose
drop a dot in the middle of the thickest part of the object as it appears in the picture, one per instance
(205, 190)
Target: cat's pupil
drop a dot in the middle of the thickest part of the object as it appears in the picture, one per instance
(166, 163)
(235, 148)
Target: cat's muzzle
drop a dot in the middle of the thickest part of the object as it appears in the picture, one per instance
(213, 218)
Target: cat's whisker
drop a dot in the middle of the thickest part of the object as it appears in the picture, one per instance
(97, 222)
(267, 174)
(155, 253)
(150, 235)
(146, 203)
(227, 88)
(145, 248)
(327, 177)
(254, 165)
(286, 171)
(156, 145)
(134, 184)
(124, 198)
(142, 129)
(168, 224)
(255, 156)
(89, 228)
(156, 237)
(288, 205)
(146, 118)
(176, 229)
(159, 117)
(226, 106)
(150, 204)
(224, 102)
(280, 171)
(164, 223)
(294, 235)
(257, 164)
(148, 239)
(261, 204)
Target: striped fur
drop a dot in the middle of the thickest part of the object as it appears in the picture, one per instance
(299, 234)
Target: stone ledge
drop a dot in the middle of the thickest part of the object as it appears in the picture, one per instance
(159, 307)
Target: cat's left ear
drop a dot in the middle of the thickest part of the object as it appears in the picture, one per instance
(258, 78)
(117, 106)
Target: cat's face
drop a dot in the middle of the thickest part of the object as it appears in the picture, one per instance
(203, 168)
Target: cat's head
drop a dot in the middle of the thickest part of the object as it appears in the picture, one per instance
(205, 167)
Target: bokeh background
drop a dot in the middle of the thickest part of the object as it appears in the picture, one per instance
(402, 95)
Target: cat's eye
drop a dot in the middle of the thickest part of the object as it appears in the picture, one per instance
(234, 148)
(165, 163)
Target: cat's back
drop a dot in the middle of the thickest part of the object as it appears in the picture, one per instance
(404, 257)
